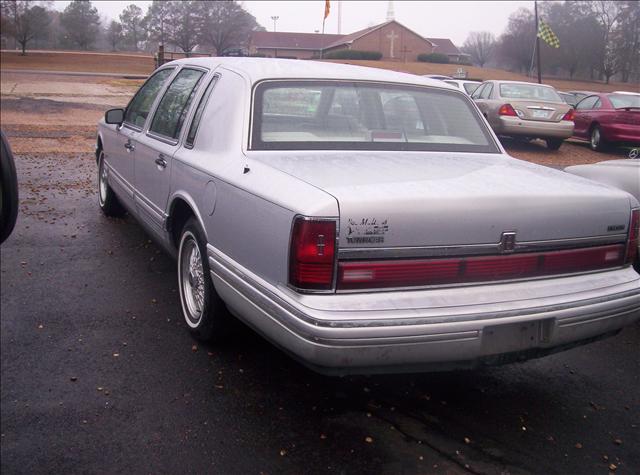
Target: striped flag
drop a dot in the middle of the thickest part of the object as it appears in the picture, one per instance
(327, 9)
(547, 35)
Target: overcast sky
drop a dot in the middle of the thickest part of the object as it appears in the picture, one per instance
(434, 19)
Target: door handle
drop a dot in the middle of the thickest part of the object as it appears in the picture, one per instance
(129, 146)
(161, 162)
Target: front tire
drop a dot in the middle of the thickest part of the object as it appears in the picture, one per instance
(202, 308)
(554, 144)
(107, 199)
(597, 142)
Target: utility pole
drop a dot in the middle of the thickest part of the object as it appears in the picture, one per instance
(537, 46)
(275, 18)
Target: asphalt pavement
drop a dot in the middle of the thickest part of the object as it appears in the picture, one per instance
(100, 375)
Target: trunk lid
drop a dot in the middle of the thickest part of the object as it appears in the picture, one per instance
(416, 199)
(540, 110)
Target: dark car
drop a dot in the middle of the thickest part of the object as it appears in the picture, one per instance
(579, 95)
(608, 118)
(8, 190)
(569, 98)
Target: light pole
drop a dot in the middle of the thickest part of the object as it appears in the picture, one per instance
(275, 19)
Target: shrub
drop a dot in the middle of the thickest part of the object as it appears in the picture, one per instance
(433, 58)
(353, 54)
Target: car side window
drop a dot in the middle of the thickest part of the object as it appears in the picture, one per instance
(138, 108)
(478, 92)
(486, 94)
(587, 103)
(173, 107)
(195, 122)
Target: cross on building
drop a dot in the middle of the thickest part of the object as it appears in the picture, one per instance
(392, 36)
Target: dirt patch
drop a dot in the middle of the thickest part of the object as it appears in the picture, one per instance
(78, 61)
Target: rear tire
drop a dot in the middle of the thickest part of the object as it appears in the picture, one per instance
(597, 143)
(203, 310)
(107, 199)
(554, 144)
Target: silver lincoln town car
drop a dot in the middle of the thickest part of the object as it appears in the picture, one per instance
(364, 220)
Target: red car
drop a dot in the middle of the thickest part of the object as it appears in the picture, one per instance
(608, 118)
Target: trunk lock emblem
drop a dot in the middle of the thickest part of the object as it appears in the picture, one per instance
(507, 242)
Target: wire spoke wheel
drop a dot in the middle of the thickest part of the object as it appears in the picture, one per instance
(192, 280)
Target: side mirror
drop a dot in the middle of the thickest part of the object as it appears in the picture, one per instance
(114, 116)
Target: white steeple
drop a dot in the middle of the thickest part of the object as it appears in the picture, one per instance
(390, 14)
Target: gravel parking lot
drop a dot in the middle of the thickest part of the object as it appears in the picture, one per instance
(99, 374)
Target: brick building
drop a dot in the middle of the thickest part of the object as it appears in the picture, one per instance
(394, 40)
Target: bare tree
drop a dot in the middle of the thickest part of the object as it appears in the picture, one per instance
(225, 25)
(576, 26)
(609, 14)
(82, 23)
(517, 42)
(155, 21)
(626, 38)
(132, 25)
(182, 24)
(480, 45)
(24, 20)
(114, 34)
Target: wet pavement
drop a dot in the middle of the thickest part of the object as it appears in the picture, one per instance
(100, 375)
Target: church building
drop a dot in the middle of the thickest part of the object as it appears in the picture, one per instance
(395, 41)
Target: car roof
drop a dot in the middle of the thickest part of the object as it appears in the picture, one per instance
(521, 82)
(258, 69)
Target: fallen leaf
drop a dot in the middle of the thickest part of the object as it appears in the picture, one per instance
(115, 355)
(612, 467)
(283, 452)
(467, 440)
(578, 445)
(617, 441)
(194, 348)
(73, 378)
(368, 440)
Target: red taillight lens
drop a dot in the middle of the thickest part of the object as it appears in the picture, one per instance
(422, 272)
(507, 109)
(634, 232)
(312, 254)
(569, 115)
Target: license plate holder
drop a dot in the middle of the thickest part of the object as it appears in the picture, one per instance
(540, 114)
(511, 337)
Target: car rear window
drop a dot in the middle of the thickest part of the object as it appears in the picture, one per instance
(341, 115)
(620, 101)
(529, 92)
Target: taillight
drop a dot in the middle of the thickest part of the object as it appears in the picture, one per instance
(569, 115)
(420, 272)
(312, 254)
(507, 109)
(634, 231)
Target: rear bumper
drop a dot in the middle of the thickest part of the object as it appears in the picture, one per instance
(436, 329)
(534, 129)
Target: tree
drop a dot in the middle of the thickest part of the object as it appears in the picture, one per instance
(626, 38)
(114, 34)
(132, 22)
(575, 26)
(609, 15)
(156, 19)
(480, 45)
(182, 24)
(81, 22)
(517, 42)
(225, 25)
(24, 21)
